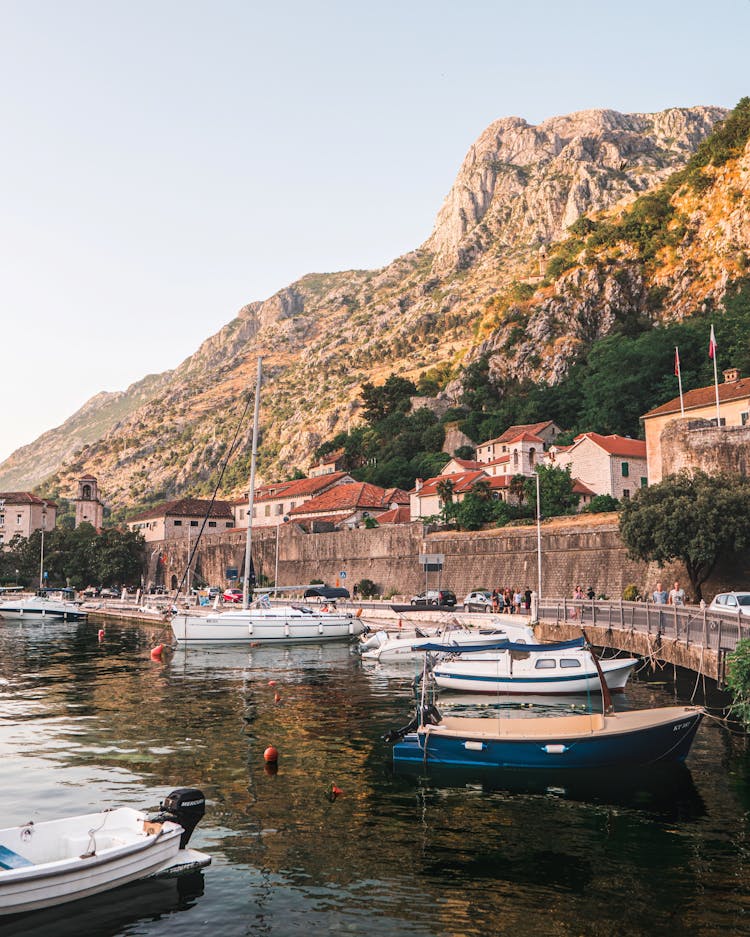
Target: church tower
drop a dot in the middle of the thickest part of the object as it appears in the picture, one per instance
(88, 506)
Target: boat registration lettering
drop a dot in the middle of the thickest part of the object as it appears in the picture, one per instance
(680, 726)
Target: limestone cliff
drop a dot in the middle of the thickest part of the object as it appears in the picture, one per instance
(518, 190)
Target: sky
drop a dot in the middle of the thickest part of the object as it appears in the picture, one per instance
(163, 163)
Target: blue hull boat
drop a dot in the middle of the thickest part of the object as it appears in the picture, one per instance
(595, 740)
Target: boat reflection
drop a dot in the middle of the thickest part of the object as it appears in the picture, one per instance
(262, 660)
(665, 791)
(112, 912)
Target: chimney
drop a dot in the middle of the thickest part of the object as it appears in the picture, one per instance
(418, 483)
(731, 375)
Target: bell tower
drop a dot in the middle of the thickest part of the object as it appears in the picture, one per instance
(89, 508)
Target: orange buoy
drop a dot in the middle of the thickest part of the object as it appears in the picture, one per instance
(272, 683)
(270, 755)
(101, 634)
(332, 792)
(157, 652)
(277, 697)
(359, 613)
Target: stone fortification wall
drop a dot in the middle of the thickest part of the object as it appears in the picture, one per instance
(588, 556)
(698, 444)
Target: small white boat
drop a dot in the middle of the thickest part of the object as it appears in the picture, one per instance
(41, 606)
(559, 669)
(382, 645)
(57, 861)
(266, 624)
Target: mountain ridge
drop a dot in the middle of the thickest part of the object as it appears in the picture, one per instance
(518, 190)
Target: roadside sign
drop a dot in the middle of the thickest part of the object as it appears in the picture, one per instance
(232, 572)
(342, 574)
(431, 559)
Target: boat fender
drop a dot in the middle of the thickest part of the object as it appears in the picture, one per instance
(359, 613)
(320, 628)
(286, 630)
(351, 627)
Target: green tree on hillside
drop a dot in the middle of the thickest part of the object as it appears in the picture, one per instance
(555, 491)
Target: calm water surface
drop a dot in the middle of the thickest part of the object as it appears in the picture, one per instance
(84, 724)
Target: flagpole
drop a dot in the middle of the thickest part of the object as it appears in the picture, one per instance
(712, 352)
(679, 378)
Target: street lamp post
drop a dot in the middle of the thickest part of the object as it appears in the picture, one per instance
(41, 552)
(538, 539)
(276, 571)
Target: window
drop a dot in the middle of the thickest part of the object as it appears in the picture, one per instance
(212, 523)
(19, 519)
(292, 505)
(178, 523)
(569, 662)
(626, 494)
(267, 510)
(279, 509)
(229, 523)
(546, 663)
(2, 518)
(744, 418)
(242, 513)
(731, 601)
(720, 600)
(625, 469)
(193, 523)
(644, 482)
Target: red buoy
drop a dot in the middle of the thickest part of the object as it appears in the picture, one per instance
(272, 683)
(101, 634)
(271, 755)
(157, 652)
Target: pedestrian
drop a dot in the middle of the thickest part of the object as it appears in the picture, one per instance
(578, 594)
(527, 599)
(590, 592)
(676, 595)
(660, 595)
(517, 601)
(495, 601)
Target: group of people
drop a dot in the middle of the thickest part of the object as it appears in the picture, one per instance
(578, 593)
(511, 601)
(675, 596)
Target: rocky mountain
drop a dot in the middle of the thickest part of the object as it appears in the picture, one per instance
(517, 193)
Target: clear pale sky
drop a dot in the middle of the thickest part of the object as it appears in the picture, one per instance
(163, 163)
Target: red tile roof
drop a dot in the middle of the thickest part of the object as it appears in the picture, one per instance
(466, 464)
(461, 481)
(400, 515)
(396, 494)
(580, 489)
(513, 432)
(703, 397)
(346, 497)
(187, 507)
(526, 437)
(296, 488)
(24, 497)
(617, 445)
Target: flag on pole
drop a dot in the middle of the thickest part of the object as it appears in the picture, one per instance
(712, 345)
(679, 377)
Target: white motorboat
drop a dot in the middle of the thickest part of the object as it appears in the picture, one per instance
(382, 645)
(57, 861)
(266, 624)
(523, 669)
(41, 606)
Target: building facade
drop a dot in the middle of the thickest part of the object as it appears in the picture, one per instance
(21, 513)
(607, 465)
(182, 518)
(89, 509)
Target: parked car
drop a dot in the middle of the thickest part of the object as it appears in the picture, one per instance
(232, 595)
(731, 602)
(109, 594)
(480, 601)
(434, 597)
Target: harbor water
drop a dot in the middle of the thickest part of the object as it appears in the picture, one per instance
(86, 723)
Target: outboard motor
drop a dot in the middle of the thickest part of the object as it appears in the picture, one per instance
(185, 806)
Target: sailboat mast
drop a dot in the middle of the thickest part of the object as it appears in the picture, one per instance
(251, 494)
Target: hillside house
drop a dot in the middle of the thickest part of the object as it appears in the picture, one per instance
(524, 443)
(328, 465)
(182, 518)
(699, 404)
(349, 505)
(606, 465)
(275, 501)
(21, 513)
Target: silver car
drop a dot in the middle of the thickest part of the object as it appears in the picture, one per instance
(479, 601)
(731, 602)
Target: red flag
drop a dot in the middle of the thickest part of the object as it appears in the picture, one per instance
(677, 361)
(712, 344)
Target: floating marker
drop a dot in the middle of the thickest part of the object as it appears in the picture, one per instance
(271, 755)
(101, 634)
(157, 652)
(272, 683)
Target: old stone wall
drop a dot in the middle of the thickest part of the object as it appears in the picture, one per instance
(698, 444)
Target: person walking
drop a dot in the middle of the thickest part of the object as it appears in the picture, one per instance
(660, 595)
(676, 595)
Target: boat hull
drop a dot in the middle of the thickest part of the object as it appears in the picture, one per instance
(39, 612)
(233, 628)
(622, 741)
(474, 676)
(79, 874)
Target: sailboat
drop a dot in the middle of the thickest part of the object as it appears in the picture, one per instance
(261, 622)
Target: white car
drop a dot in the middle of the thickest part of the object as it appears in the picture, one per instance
(731, 602)
(480, 601)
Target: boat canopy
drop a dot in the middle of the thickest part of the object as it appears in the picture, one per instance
(502, 646)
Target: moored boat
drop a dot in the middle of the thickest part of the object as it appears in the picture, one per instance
(594, 740)
(530, 669)
(41, 606)
(57, 861)
(383, 646)
(266, 624)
